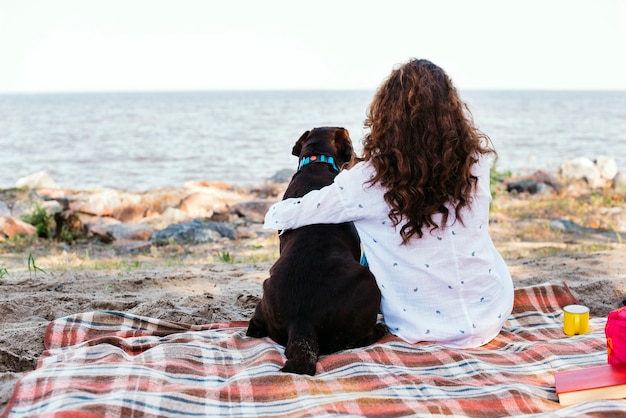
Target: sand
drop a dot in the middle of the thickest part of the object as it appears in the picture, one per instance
(222, 281)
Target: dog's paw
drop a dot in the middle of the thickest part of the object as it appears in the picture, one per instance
(256, 330)
(380, 330)
(293, 366)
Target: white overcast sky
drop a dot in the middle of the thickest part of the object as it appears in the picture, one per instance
(138, 45)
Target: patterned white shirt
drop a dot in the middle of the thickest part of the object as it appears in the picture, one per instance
(451, 286)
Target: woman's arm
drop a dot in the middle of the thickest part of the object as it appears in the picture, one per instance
(324, 206)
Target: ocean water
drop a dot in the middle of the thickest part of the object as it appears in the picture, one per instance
(141, 141)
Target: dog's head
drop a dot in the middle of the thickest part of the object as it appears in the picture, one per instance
(330, 141)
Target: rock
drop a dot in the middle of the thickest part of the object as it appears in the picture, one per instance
(269, 190)
(103, 203)
(619, 183)
(582, 168)
(607, 167)
(11, 227)
(169, 217)
(52, 194)
(282, 176)
(127, 207)
(158, 201)
(38, 213)
(538, 182)
(4, 209)
(196, 231)
(92, 221)
(254, 211)
(130, 231)
(564, 225)
(569, 226)
(131, 208)
(192, 184)
(198, 205)
(97, 226)
(130, 212)
(547, 178)
(39, 180)
(26, 205)
(220, 217)
(526, 186)
(218, 197)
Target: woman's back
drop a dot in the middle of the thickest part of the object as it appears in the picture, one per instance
(451, 285)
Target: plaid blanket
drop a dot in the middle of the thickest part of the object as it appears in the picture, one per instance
(116, 365)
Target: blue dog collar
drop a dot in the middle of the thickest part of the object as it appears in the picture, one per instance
(318, 159)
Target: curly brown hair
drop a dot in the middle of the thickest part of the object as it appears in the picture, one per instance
(423, 143)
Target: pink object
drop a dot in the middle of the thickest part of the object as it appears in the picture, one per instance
(615, 331)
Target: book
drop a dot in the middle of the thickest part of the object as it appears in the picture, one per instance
(607, 381)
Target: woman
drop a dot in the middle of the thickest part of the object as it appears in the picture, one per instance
(419, 198)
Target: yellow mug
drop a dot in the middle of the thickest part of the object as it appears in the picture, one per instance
(575, 319)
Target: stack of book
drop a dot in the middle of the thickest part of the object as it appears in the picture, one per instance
(591, 383)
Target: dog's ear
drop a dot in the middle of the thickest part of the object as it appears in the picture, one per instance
(343, 145)
(297, 148)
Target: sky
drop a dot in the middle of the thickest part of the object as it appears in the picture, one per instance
(166, 45)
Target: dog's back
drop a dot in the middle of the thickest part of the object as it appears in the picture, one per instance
(318, 299)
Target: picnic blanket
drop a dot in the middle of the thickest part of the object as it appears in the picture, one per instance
(110, 363)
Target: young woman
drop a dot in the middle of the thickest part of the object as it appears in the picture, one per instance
(419, 198)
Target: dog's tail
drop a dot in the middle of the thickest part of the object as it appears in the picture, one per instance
(302, 349)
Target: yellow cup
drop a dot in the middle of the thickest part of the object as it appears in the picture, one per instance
(575, 319)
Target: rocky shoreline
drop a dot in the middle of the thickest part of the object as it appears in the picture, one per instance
(201, 212)
(198, 212)
(581, 206)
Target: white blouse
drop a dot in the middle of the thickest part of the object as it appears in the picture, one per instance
(451, 286)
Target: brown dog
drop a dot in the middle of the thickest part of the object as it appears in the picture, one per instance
(319, 299)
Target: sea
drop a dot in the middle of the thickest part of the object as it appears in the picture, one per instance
(150, 140)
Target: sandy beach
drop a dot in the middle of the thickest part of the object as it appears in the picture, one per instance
(221, 281)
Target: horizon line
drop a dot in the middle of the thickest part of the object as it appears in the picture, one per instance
(302, 90)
